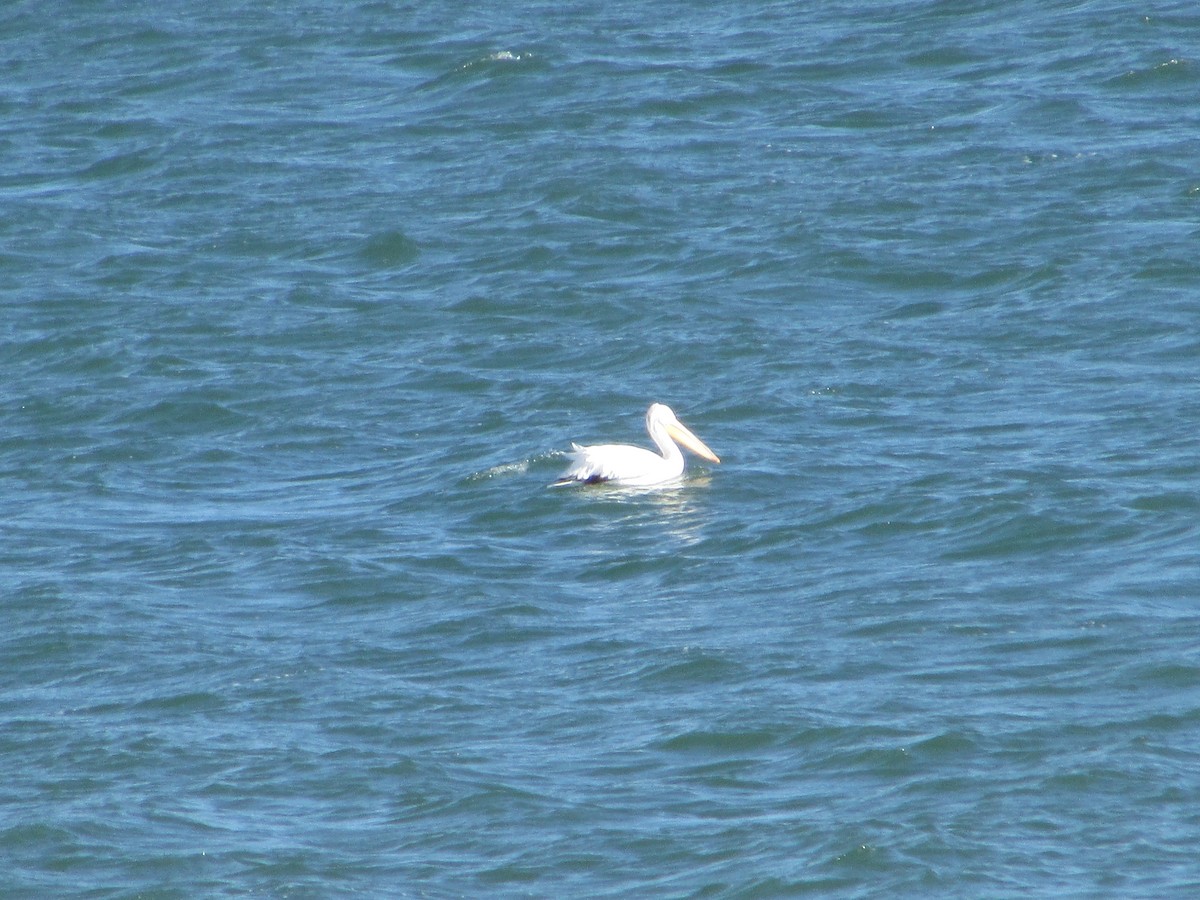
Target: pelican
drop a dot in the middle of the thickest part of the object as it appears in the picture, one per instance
(633, 466)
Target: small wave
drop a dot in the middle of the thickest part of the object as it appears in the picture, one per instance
(520, 467)
(500, 56)
(515, 468)
(390, 249)
(508, 56)
(480, 66)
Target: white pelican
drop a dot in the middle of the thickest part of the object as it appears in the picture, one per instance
(633, 466)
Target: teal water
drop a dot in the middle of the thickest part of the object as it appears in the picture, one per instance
(303, 304)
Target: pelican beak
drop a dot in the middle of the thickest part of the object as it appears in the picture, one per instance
(689, 440)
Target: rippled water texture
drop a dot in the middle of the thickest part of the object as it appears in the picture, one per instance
(303, 305)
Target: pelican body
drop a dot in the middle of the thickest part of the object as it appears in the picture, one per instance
(633, 466)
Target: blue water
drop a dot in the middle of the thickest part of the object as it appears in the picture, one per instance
(304, 303)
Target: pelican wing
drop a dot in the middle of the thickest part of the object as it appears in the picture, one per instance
(616, 462)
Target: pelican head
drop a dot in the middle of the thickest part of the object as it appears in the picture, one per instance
(661, 418)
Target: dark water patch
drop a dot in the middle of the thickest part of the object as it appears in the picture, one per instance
(1022, 534)
(917, 310)
(1165, 72)
(720, 743)
(702, 669)
(390, 249)
(198, 414)
(185, 703)
(1168, 502)
(120, 165)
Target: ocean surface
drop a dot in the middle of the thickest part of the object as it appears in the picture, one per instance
(301, 305)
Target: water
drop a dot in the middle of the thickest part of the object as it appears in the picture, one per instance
(303, 304)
